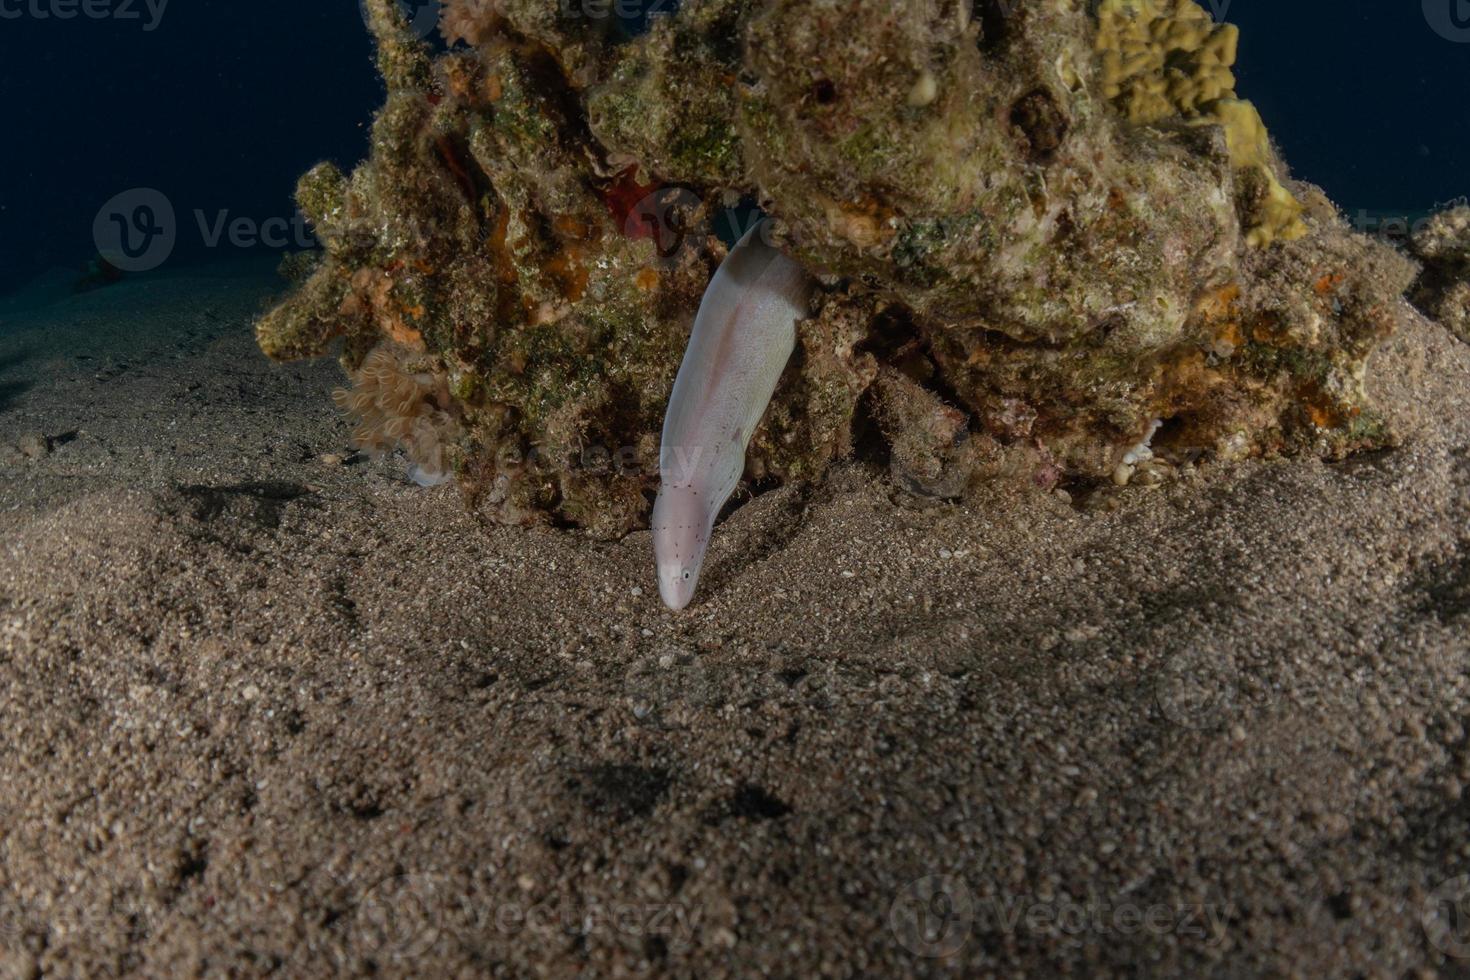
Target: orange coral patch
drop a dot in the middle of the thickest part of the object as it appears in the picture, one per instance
(372, 289)
(402, 333)
(1230, 333)
(570, 226)
(1219, 303)
(1320, 415)
(1182, 379)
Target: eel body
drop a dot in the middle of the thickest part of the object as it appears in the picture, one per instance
(743, 336)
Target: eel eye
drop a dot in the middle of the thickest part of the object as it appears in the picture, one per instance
(685, 575)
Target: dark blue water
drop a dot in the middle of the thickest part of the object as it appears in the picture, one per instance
(221, 105)
(1368, 98)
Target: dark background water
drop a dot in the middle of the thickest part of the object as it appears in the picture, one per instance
(221, 105)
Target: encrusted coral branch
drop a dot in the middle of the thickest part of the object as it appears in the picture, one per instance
(1163, 59)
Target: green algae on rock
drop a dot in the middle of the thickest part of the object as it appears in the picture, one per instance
(1051, 241)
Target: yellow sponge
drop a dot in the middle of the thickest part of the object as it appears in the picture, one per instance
(1164, 59)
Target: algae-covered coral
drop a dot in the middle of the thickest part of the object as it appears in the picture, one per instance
(1442, 244)
(1044, 233)
(1168, 58)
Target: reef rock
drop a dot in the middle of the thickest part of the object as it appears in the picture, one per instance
(1050, 234)
(1442, 244)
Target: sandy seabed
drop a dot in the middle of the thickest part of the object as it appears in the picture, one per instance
(263, 712)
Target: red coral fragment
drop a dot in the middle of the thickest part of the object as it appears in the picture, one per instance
(624, 196)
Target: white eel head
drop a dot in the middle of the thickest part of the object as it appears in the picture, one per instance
(742, 338)
(681, 531)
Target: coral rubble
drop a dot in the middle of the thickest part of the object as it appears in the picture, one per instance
(1044, 233)
(1443, 290)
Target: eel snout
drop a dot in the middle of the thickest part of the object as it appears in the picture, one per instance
(681, 530)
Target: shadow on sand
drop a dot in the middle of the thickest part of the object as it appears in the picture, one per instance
(10, 390)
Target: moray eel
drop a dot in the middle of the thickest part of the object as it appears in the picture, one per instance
(743, 336)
